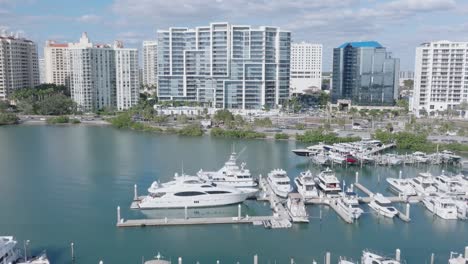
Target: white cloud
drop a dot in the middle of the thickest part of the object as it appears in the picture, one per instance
(421, 5)
(89, 18)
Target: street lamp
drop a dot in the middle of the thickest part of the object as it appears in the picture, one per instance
(26, 244)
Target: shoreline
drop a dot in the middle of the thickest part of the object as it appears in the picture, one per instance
(44, 122)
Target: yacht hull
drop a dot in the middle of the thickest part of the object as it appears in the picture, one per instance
(192, 202)
(384, 211)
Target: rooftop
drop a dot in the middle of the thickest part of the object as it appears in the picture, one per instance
(362, 44)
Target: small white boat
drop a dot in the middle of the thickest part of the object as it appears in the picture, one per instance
(381, 205)
(306, 185)
(191, 192)
(296, 208)
(372, 258)
(349, 203)
(420, 157)
(393, 159)
(443, 207)
(401, 186)
(328, 183)
(280, 182)
(321, 159)
(337, 157)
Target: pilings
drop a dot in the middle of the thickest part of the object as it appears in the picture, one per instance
(398, 255)
(327, 258)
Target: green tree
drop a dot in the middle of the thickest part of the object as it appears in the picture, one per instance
(408, 84)
(56, 104)
(263, 122)
(224, 116)
(8, 118)
(324, 98)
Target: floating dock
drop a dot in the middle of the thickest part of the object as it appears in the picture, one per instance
(194, 221)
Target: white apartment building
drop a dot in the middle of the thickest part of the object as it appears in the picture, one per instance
(19, 66)
(127, 78)
(441, 77)
(98, 76)
(150, 63)
(306, 68)
(57, 63)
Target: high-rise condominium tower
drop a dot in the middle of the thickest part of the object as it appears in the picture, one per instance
(150, 63)
(98, 76)
(19, 65)
(440, 78)
(224, 65)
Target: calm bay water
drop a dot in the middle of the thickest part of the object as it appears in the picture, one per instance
(63, 184)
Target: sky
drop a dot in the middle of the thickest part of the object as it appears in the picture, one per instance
(399, 25)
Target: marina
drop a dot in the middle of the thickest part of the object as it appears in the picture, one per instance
(372, 152)
(85, 194)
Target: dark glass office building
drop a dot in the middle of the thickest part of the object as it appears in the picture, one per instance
(365, 73)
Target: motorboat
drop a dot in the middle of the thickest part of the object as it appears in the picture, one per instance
(280, 182)
(296, 208)
(372, 258)
(337, 157)
(321, 159)
(424, 184)
(462, 206)
(381, 205)
(191, 192)
(231, 174)
(393, 159)
(450, 185)
(443, 207)
(306, 185)
(328, 183)
(420, 157)
(309, 151)
(401, 186)
(449, 156)
(8, 251)
(349, 204)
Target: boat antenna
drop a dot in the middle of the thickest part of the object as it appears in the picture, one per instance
(238, 155)
(183, 168)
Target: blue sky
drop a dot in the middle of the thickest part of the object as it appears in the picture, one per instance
(400, 25)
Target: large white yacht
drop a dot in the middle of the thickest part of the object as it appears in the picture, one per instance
(306, 185)
(381, 205)
(328, 183)
(8, 251)
(280, 182)
(443, 207)
(231, 174)
(190, 191)
(424, 184)
(401, 186)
